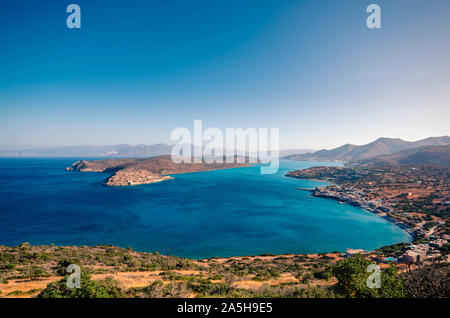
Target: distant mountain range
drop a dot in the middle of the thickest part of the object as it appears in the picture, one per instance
(92, 151)
(433, 150)
(120, 151)
(288, 152)
(379, 147)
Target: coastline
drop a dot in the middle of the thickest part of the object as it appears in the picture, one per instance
(364, 206)
(355, 196)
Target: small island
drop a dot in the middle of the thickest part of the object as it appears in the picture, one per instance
(129, 172)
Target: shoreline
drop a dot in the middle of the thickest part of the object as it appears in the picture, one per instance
(324, 183)
(363, 205)
(243, 256)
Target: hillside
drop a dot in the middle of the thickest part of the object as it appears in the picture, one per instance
(139, 274)
(431, 155)
(379, 147)
(114, 272)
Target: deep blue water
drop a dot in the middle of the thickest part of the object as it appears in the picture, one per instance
(204, 214)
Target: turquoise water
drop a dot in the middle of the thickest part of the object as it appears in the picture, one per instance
(218, 213)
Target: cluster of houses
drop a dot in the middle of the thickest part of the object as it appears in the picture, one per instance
(411, 254)
(353, 197)
(423, 253)
(358, 198)
(415, 254)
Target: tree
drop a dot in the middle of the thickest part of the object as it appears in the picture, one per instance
(352, 276)
(106, 288)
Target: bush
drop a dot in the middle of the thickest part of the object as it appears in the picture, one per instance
(106, 288)
(158, 290)
(306, 278)
(61, 268)
(352, 278)
(216, 277)
(445, 249)
(325, 274)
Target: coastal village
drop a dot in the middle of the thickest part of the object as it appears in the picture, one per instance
(415, 198)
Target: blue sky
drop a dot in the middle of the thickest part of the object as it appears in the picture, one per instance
(138, 69)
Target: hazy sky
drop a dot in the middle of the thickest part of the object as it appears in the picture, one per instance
(138, 69)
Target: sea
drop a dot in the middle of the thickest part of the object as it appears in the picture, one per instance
(221, 213)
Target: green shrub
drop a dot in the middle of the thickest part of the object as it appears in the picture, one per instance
(106, 288)
(352, 278)
(306, 278)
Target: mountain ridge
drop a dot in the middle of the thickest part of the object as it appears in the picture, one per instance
(425, 155)
(379, 147)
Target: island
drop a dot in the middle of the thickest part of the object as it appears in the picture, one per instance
(129, 172)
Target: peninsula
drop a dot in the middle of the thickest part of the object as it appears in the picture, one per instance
(129, 172)
(414, 197)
